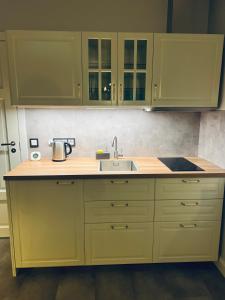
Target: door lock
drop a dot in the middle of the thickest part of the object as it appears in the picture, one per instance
(9, 144)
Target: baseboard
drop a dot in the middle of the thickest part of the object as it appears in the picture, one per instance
(220, 264)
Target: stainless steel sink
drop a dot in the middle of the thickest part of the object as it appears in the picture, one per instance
(117, 165)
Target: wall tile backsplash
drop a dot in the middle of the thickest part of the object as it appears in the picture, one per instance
(139, 133)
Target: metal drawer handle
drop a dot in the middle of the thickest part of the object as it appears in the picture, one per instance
(189, 204)
(188, 225)
(191, 181)
(115, 227)
(65, 182)
(119, 182)
(119, 205)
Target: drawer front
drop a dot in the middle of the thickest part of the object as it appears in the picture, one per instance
(187, 210)
(119, 189)
(118, 243)
(186, 241)
(119, 211)
(189, 188)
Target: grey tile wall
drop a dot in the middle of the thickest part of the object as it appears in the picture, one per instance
(139, 133)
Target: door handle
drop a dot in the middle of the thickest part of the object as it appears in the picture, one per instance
(189, 204)
(9, 144)
(119, 227)
(121, 92)
(119, 205)
(191, 181)
(65, 182)
(113, 92)
(155, 90)
(119, 182)
(188, 225)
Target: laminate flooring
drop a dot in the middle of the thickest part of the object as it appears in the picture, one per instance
(189, 281)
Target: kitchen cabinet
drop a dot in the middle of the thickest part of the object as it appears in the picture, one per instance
(186, 241)
(186, 70)
(135, 53)
(187, 219)
(99, 56)
(45, 67)
(114, 69)
(47, 223)
(114, 220)
(112, 243)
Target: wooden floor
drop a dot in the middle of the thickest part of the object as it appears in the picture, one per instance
(134, 282)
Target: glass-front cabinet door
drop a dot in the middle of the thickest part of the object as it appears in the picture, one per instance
(99, 68)
(135, 52)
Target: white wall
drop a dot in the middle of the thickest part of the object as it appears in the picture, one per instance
(89, 15)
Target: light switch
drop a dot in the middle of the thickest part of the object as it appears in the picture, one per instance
(34, 143)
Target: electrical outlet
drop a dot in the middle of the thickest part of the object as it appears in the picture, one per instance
(70, 141)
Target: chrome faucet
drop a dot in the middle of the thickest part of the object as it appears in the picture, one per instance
(115, 145)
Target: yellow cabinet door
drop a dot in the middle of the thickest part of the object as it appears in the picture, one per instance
(186, 241)
(119, 189)
(135, 54)
(99, 57)
(119, 211)
(48, 223)
(189, 188)
(45, 67)
(118, 243)
(186, 70)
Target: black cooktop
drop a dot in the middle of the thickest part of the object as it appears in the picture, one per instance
(177, 164)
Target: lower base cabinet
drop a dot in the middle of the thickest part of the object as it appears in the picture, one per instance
(118, 243)
(47, 223)
(186, 241)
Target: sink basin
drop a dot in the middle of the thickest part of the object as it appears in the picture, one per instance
(117, 165)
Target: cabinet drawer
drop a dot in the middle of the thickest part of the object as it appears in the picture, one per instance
(185, 210)
(119, 189)
(189, 188)
(118, 243)
(119, 211)
(186, 241)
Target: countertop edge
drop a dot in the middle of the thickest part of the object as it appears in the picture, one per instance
(105, 176)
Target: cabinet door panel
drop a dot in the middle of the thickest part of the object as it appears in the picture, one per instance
(48, 224)
(118, 243)
(135, 52)
(188, 210)
(119, 211)
(119, 189)
(189, 188)
(186, 241)
(45, 67)
(99, 57)
(186, 70)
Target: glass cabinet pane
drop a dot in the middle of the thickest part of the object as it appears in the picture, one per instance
(106, 54)
(141, 54)
(128, 86)
(106, 85)
(93, 53)
(93, 86)
(140, 86)
(129, 54)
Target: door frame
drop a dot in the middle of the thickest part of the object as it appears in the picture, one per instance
(14, 131)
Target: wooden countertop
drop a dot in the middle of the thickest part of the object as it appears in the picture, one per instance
(86, 167)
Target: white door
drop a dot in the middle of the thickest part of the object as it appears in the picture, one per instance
(9, 132)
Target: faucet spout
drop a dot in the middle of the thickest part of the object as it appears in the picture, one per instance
(115, 145)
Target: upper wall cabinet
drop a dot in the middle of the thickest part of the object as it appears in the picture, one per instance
(186, 70)
(135, 52)
(45, 67)
(99, 53)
